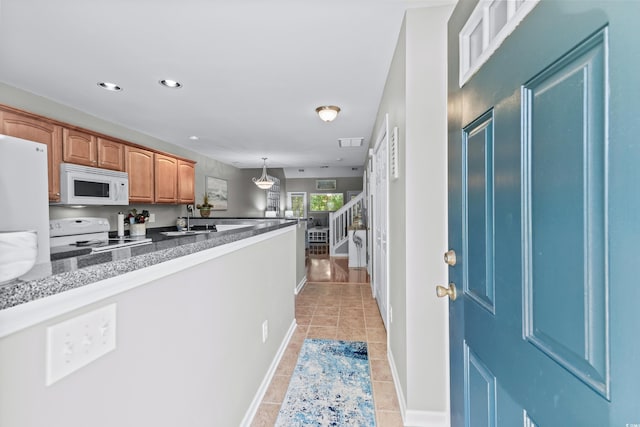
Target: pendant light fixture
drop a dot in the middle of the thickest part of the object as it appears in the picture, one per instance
(263, 182)
(328, 112)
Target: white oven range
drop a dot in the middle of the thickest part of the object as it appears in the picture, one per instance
(89, 232)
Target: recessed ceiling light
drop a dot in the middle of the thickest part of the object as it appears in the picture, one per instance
(110, 86)
(194, 138)
(170, 83)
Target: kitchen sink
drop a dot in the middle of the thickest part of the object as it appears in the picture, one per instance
(220, 227)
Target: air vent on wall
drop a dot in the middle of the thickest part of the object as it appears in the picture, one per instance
(394, 153)
(300, 170)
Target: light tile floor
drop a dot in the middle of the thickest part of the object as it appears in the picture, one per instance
(343, 311)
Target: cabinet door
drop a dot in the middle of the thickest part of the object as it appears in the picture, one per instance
(166, 171)
(79, 148)
(110, 155)
(139, 166)
(186, 182)
(32, 129)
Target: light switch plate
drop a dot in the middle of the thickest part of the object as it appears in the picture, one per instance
(77, 342)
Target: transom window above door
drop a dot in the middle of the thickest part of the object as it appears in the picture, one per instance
(489, 25)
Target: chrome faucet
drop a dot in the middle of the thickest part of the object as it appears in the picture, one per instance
(189, 214)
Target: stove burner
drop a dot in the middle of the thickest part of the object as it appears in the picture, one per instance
(93, 233)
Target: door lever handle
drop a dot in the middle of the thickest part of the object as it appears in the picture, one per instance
(451, 292)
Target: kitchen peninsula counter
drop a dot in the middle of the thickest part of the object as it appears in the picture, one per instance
(185, 318)
(82, 268)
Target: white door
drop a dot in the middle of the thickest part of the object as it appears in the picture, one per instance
(380, 215)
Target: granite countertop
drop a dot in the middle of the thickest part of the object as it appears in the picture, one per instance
(79, 267)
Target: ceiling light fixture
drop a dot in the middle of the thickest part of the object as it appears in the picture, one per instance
(194, 137)
(110, 86)
(170, 83)
(263, 182)
(328, 112)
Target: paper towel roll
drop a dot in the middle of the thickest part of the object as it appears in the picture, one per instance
(120, 224)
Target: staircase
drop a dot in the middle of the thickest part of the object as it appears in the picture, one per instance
(339, 223)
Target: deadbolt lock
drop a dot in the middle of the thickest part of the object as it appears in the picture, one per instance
(450, 257)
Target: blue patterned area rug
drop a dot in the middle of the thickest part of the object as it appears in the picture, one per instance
(330, 386)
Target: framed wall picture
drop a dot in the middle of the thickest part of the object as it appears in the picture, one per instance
(216, 189)
(325, 184)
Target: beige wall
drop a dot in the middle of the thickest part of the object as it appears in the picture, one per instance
(189, 349)
(394, 104)
(415, 99)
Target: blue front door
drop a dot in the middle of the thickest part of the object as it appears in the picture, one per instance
(544, 207)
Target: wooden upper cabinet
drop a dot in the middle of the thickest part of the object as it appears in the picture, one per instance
(32, 129)
(79, 148)
(186, 182)
(110, 155)
(153, 177)
(166, 172)
(139, 164)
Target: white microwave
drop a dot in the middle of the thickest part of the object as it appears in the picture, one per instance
(83, 185)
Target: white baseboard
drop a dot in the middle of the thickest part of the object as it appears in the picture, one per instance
(300, 285)
(426, 419)
(412, 417)
(255, 403)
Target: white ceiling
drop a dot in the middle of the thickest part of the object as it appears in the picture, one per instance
(253, 71)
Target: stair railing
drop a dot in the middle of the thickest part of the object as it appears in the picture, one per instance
(341, 220)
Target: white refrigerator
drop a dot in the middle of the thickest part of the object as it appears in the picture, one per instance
(24, 199)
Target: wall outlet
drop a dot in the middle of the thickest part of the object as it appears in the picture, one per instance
(77, 342)
(265, 331)
(152, 217)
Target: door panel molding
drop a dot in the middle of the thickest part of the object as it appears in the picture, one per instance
(564, 197)
(480, 391)
(478, 211)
